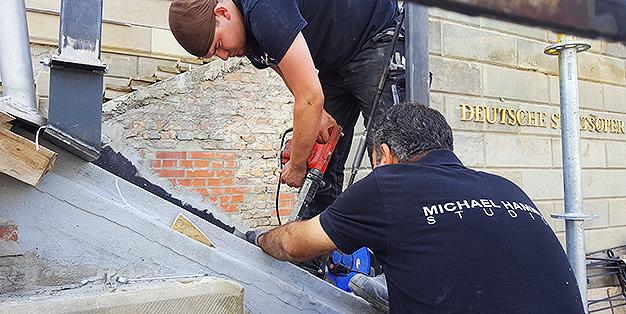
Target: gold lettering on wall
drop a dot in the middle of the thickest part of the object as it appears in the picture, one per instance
(539, 119)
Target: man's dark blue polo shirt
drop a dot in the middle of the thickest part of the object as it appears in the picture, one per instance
(335, 31)
(452, 239)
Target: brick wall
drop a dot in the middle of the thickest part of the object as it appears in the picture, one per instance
(213, 132)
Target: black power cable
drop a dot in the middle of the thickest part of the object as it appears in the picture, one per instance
(280, 166)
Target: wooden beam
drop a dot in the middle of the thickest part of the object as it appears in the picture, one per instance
(20, 159)
(5, 118)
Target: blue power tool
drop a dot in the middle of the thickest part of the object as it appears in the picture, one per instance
(342, 267)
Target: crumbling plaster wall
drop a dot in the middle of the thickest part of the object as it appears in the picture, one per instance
(214, 131)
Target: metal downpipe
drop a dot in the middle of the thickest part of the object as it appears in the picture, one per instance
(16, 65)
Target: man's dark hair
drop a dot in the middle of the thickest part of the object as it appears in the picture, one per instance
(410, 129)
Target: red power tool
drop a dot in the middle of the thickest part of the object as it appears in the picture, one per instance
(316, 165)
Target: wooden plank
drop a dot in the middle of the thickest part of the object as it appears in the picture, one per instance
(20, 159)
(5, 118)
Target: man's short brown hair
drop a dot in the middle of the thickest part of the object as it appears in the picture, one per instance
(193, 24)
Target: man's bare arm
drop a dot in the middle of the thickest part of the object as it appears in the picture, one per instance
(299, 73)
(297, 241)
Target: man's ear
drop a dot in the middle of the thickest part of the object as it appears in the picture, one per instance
(387, 157)
(221, 10)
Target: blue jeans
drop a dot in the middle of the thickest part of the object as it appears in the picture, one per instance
(349, 91)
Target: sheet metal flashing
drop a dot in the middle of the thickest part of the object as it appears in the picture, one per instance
(76, 76)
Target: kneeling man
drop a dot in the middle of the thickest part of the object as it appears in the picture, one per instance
(450, 239)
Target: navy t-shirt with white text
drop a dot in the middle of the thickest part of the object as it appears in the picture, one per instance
(334, 30)
(454, 240)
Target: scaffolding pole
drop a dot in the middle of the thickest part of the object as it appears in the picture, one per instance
(567, 49)
(416, 43)
(16, 65)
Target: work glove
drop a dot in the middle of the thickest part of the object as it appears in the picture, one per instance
(253, 236)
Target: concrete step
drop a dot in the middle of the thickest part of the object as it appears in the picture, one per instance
(207, 295)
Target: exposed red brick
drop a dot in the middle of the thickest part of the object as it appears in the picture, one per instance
(230, 164)
(286, 196)
(225, 173)
(235, 190)
(282, 212)
(218, 191)
(184, 182)
(186, 164)
(200, 173)
(172, 173)
(213, 182)
(199, 164)
(231, 208)
(156, 164)
(171, 155)
(169, 163)
(203, 155)
(216, 165)
(8, 233)
(198, 182)
(224, 199)
(227, 181)
(237, 198)
(203, 192)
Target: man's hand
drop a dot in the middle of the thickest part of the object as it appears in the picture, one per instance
(297, 241)
(326, 123)
(293, 174)
(253, 236)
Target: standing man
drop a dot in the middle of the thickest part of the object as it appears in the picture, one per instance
(450, 239)
(330, 54)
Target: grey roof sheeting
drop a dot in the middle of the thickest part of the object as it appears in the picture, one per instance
(77, 218)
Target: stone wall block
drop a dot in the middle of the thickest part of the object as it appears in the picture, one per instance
(518, 85)
(455, 76)
(604, 183)
(592, 153)
(614, 98)
(601, 68)
(513, 28)
(599, 239)
(617, 212)
(616, 154)
(531, 57)
(147, 66)
(506, 151)
(434, 36)
(476, 44)
(42, 83)
(614, 49)
(543, 184)
(120, 65)
(126, 38)
(469, 148)
(453, 16)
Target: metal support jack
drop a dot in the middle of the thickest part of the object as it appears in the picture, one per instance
(16, 65)
(76, 76)
(574, 216)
